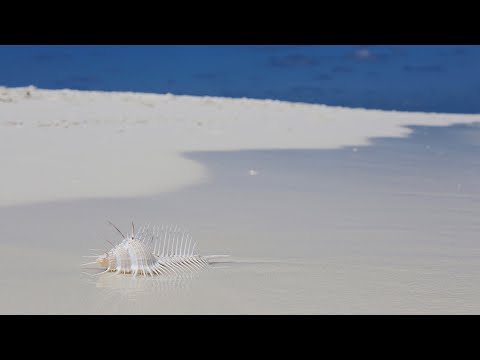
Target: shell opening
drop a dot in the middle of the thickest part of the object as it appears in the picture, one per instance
(102, 260)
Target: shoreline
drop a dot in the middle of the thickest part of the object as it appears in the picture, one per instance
(69, 144)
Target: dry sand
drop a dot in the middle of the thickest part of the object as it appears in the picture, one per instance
(315, 220)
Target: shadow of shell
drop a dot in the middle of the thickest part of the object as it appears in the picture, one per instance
(130, 288)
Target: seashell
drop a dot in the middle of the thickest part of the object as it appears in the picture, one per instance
(165, 250)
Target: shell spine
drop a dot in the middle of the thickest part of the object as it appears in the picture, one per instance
(161, 250)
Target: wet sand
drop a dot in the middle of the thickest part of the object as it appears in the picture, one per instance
(387, 228)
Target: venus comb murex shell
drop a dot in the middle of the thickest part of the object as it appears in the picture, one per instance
(161, 250)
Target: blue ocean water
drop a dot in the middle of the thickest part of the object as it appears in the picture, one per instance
(407, 78)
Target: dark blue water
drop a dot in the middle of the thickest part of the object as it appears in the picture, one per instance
(408, 78)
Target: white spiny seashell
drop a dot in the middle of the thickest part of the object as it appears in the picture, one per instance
(166, 250)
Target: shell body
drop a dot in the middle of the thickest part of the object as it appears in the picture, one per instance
(162, 250)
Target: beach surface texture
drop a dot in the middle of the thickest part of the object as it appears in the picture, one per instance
(323, 209)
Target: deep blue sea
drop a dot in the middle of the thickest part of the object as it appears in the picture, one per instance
(407, 78)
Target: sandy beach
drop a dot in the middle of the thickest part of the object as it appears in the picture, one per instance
(322, 209)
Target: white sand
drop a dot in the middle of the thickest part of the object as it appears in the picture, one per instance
(61, 145)
(376, 229)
